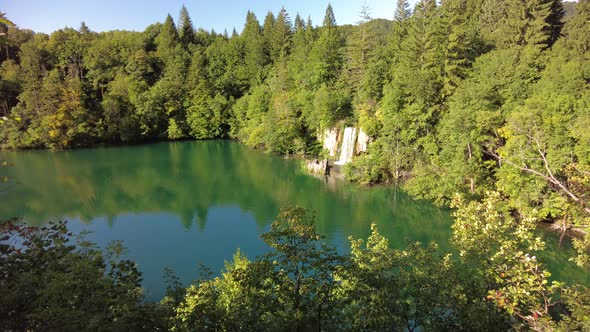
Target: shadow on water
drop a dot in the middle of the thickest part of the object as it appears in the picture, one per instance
(177, 204)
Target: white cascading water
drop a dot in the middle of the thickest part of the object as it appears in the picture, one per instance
(347, 149)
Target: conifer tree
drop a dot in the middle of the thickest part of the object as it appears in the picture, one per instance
(492, 15)
(402, 11)
(576, 30)
(326, 57)
(555, 20)
(460, 49)
(300, 44)
(422, 53)
(329, 18)
(254, 56)
(167, 39)
(84, 29)
(186, 31)
(533, 22)
(281, 37)
(360, 45)
(267, 33)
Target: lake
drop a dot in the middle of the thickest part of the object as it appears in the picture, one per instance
(182, 204)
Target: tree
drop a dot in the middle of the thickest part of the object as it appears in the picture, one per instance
(360, 46)
(402, 11)
(51, 282)
(167, 40)
(304, 266)
(393, 289)
(505, 248)
(535, 23)
(326, 58)
(255, 58)
(5, 20)
(186, 31)
(267, 33)
(575, 30)
(280, 41)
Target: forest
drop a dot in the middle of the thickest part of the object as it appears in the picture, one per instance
(482, 105)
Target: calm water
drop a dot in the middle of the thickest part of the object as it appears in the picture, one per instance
(181, 204)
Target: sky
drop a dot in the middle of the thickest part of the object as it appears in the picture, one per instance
(50, 15)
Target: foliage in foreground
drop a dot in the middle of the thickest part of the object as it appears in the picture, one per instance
(496, 283)
(52, 282)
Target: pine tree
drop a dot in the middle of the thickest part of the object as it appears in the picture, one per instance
(186, 31)
(460, 49)
(84, 29)
(281, 37)
(555, 21)
(267, 33)
(402, 11)
(167, 39)
(326, 58)
(492, 15)
(399, 31)
(421, 60)
(576, 30)
(300, 45)
(310, 31)
(299, 24)
(360, 45)
(254, 56)
(329, 18)
(532, 22)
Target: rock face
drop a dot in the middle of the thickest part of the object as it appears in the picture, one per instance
(344, 145)
(330, 141)
(318, 166)
(362, 142)
(347, 150)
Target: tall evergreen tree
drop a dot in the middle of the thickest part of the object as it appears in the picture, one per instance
(281, 37)
(460, 48)
(533, 22)
(360, 45)
(422, 53)
(329, 18)
(300, 44)
(84, 29)
(402, 11)
(492, 15)
(255, 57)
(576, 30)
(186, 31)
(326, 57)
(300, 48)
(555, 20)
(267, 32)
(167, 40)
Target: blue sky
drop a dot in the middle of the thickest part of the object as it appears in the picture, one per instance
(50, 15)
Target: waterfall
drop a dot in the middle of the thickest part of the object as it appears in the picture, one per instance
(347, 150)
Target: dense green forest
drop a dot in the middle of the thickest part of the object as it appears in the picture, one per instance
(479, 104)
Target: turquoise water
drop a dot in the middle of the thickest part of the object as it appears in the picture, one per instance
(182, 204)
